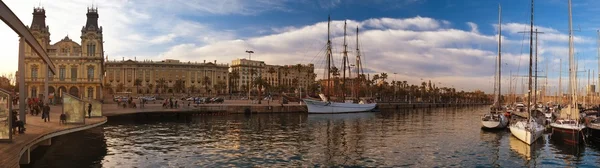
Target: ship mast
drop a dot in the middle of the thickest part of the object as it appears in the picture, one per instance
(359, 68)
(571, 63)
(344, 62)
(329, 85)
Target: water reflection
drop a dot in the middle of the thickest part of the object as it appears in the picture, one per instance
(407, 138)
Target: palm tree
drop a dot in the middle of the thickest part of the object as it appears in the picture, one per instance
(221, 86)
(252, 73)
(179, 86)
(206, 82)
(120, 87)
(383, 76)
(137, 83)
(259, 83)
(162, 84)
(234, 76)
(271, 71)
(192, 88)
(108, 87)
(150, 85)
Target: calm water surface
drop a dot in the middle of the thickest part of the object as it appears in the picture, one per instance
(414, 138)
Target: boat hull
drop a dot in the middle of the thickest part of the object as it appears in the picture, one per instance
(593, 134)
(567, 133)
(321, 107)
(526, 132)
(500, 122)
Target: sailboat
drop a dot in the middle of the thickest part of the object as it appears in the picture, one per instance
(325, 105)
(568, 127)
(495, 118)
(528, 130)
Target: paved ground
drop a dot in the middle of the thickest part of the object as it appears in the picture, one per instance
(36, 128)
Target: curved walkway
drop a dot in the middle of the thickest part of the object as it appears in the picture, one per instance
(39, 133)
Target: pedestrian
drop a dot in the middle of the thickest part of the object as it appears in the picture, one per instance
(46, 112)
(171, 102)
(90, 110)
(176, 104)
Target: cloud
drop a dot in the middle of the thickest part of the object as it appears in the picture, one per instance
(473, 27)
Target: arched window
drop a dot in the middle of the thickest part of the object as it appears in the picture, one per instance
(91, 49)
(34, 72)
(90, 92)
(33, 91)
(90, 73)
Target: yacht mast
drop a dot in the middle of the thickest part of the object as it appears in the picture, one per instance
(572, 71)
(499, 56)
(530, 62)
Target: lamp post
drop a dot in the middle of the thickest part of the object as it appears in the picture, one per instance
(250, 52)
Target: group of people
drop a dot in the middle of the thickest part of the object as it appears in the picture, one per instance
(169, 103)
(129, 102)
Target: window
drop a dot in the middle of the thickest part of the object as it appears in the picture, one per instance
(74, 74)
(90, 92)
(90, 73)
(33, 91)
(91, 49)
(34, 73)
(61, 73)
(50, 76)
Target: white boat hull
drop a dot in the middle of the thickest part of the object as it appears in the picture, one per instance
(526, 132)
(502, 122)
(322, 107)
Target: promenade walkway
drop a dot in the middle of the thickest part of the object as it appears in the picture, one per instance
(39, 133)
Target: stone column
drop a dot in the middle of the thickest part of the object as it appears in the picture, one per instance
(46, 79)
(22, 93)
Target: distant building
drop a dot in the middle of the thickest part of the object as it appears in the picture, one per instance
(591, 89)
(79, 67)
(286, 77)
(163, 76)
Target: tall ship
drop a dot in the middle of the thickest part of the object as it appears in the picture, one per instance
(496, 119)
(326, 105)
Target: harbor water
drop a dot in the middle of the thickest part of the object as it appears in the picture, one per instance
(402, 138)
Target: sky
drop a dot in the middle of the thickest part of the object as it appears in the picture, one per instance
(453, 43)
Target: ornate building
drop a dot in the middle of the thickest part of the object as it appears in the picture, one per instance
(285, 78)
(79, 67)
(167, 76)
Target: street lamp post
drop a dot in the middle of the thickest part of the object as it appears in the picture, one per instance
(250, 52)
(395, 88)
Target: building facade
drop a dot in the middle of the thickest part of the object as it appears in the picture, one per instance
(80, 66)
(167, 76)
(285, 78)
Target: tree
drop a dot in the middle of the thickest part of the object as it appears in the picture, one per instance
(271, 71)
(120, 87)
(206, 82)
(179, 86)
(150, 86)
(137, 83)
(234, 76)
(252, 73)
(221, 86)
(161, 84)
(383, 76)
(259, 83)
(108, 88)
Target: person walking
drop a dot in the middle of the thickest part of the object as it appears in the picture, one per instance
(46, 113)
(89, 110)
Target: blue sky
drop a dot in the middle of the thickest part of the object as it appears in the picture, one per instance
(450, 41)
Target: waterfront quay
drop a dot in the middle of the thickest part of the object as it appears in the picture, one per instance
(246, 106)
(40, 133)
